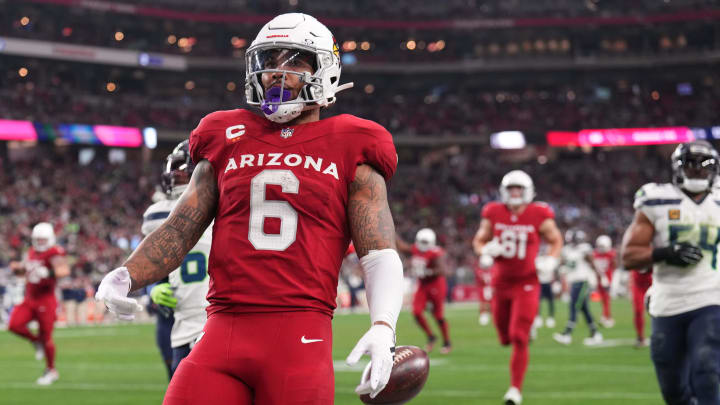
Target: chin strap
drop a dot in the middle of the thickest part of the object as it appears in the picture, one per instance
(345, 86)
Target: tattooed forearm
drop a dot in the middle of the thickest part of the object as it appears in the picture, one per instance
(163, 250)
(371, 222)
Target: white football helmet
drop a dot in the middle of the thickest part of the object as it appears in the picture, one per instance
(43, 237)
(425, 239)
(287, 39)
(603, 243)
(517, 178)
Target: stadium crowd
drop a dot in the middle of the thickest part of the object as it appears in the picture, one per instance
(380, 37)
(95, 209)
(440, 104)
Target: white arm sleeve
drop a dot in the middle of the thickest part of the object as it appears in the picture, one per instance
(383, 285)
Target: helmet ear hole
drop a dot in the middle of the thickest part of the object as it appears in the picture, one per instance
(333, 80)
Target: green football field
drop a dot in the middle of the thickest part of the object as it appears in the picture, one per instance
(120, 365)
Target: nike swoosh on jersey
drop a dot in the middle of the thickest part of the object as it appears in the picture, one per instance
(306, 341)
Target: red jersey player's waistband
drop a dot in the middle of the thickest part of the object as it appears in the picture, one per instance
(40, 295)
(500, 282)
(249, 309)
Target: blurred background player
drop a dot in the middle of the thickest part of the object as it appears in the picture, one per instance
(641, 281)
(676, 230)
(546, 277)
(482, 280)
(183, 296)
(351, 275)
(509, 234)
(281, 231)
(580, 271)
(43, 264)
(427, 265)
(604, 259)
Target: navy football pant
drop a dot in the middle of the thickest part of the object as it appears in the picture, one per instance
(547, 294)
(179, 353)
(579, 293)
(163, 327)
(685, 349)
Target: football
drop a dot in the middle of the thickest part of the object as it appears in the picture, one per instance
(409, 373)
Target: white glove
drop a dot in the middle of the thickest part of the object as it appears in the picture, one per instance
(604, 282)
(113, 290)
(37, 274)
(546, 264)
(379, 343)
(486, 261)
(492, 248)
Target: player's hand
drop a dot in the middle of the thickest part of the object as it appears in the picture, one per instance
(492, 248)
(162, 294)
(546, 264)
(379, 343)
(678, 254)
(486, 261)
(113, 291)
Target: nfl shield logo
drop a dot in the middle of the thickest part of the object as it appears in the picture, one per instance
(286, 133)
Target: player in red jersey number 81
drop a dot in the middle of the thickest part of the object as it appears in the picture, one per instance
(509, 236)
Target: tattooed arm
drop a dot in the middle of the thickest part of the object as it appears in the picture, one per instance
(164, 249)
(371, 222)
(373, 234)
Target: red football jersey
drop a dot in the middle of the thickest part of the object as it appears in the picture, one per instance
(40, 282)
(605, 262)
(423, 265)
(281, 226)
(520, 239)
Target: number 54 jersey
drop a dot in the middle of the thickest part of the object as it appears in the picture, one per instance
(519, 238)
(281, 227)
(678, 218)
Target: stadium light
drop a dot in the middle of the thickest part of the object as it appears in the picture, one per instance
(150, 137)
(508, 140)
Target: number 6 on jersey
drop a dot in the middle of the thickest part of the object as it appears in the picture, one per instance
(260, 209)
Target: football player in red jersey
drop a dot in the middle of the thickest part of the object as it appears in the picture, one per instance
(604, 258)
(44, 264)
(510, 233)
(641, 281)
(287, 192)
(427, 264)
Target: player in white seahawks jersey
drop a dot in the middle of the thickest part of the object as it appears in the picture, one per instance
(187, 286)
(580, 271)
(676, 229)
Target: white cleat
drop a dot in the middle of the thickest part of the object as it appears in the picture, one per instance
(484, 319)
(550, 323)
(39, 351)
(48, 377)
(562, 338)
(593, 340)
(538, 322)
(512, 396)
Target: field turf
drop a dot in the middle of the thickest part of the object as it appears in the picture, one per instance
(119, 364)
